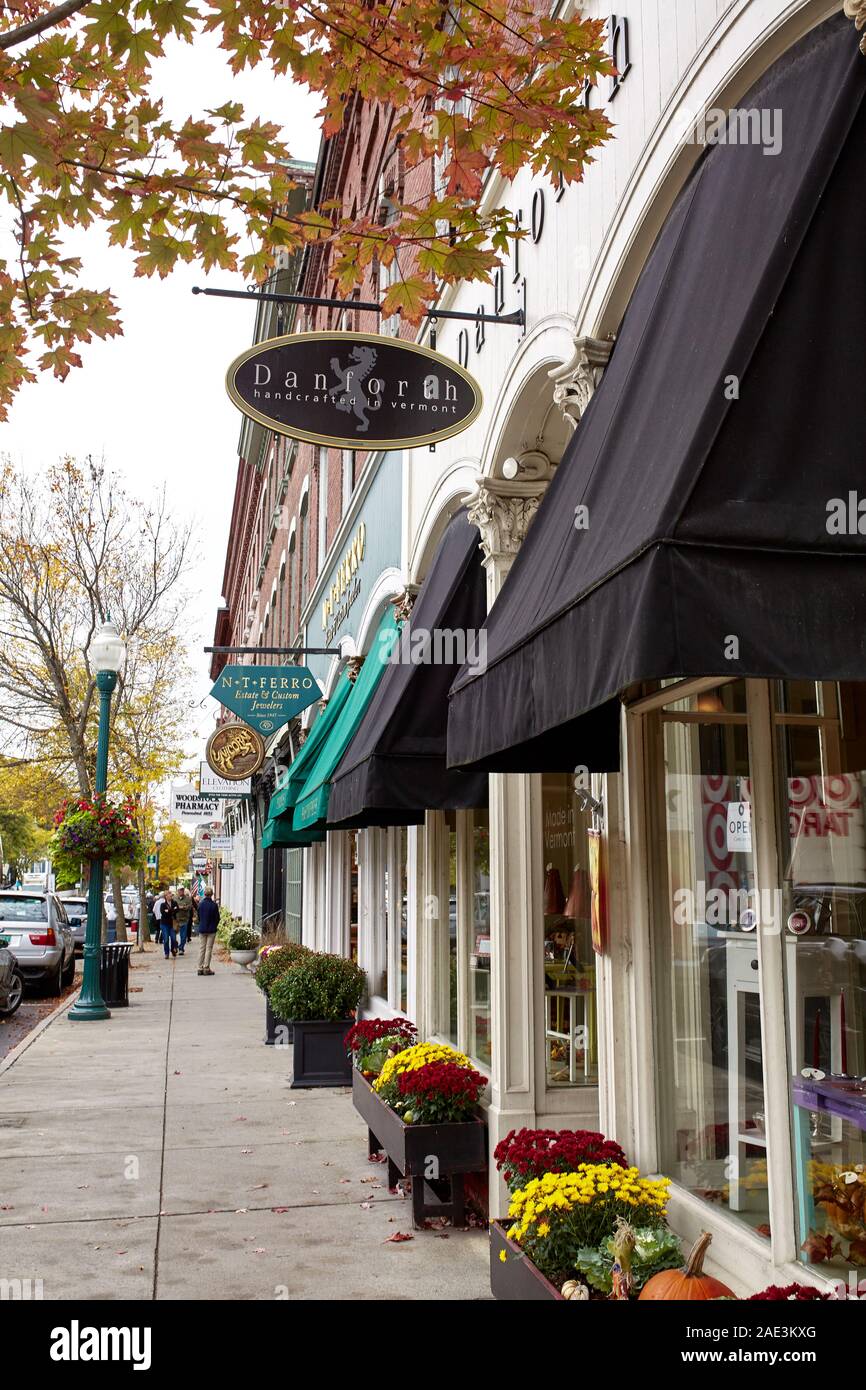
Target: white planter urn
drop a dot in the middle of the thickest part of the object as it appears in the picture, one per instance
(243, 958)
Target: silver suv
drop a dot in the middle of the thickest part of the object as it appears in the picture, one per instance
(75, 907)
(40, 937)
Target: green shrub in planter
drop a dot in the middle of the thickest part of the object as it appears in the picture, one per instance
(278, 960)
(318, 987)
(243, 939)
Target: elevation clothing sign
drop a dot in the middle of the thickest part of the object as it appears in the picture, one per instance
(357, 390)
(266, 697)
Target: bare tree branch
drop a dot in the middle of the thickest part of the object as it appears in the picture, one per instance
(45, 21)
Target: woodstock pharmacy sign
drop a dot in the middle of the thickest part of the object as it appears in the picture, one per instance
(355, 390)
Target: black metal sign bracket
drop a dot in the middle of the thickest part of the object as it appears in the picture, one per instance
(516, 318)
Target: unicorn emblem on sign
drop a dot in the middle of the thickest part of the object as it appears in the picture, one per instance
(349, 392)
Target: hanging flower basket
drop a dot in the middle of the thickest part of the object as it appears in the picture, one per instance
(94, 828)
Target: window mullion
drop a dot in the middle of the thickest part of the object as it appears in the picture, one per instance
(771, 948)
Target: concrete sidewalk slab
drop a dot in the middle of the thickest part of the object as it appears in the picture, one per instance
(182, 1083)
(84, 1259)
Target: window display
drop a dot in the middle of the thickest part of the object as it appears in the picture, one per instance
(570, 1045)
(450, 1030)
(479, 940)
(821, 754)
(403, 890)
(711, 1110)
(353, 894)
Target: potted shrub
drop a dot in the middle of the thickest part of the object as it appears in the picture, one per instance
(243, 946)
(274, 961)
(319, 995)
(372, 1041)
(422, 1109)
(596, 1233)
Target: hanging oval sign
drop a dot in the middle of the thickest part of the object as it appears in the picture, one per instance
(355, 390)
(235, 752)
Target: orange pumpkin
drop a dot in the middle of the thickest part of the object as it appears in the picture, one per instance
(689, 1283)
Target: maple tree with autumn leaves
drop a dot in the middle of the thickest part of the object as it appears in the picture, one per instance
(483, 88)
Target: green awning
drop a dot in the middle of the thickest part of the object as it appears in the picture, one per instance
(279, 832)
(311, 807)
(283, 800)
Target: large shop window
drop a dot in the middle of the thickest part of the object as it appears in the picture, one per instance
(570, 1034)
(709, 1052)
(463, 949)
(820, 744)
(352, 841)
(392, 953)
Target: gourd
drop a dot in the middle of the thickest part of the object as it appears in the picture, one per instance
(573, 1289)
(687, 1284)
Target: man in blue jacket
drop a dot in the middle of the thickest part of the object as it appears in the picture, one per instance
(208, 920)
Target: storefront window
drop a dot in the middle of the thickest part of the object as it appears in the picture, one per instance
(570, 1038)
(353, 894)
(709, 1047)
(403, 864)
(451, 941)
(479, 941)
(390, 909)
(821, 757)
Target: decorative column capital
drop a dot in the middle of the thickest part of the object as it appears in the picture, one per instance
(353, 668)
(405, 602)
(502, 509)
(576, 380)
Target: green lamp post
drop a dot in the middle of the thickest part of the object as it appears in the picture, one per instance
(106, 652)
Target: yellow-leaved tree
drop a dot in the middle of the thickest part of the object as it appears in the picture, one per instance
(75, 548)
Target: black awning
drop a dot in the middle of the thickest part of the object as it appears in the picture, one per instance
(394, 769)
(732, 411)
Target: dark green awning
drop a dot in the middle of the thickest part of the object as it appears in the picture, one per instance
(284, 798)
(279, 833)
(311, 807)
(279, 830)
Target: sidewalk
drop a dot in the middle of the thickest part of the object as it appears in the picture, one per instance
(161, 1154)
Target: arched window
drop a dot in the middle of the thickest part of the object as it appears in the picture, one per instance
(292, 587)
(304, 550)
(322, 505)
(280, 639)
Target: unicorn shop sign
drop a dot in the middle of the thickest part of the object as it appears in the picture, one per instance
(355, 390)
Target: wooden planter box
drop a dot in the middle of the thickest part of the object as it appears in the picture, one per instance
(272, 1023)
(456, 1148)
(516, 1278)
(320, 1057)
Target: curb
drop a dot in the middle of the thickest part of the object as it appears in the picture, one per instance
(18, 1051)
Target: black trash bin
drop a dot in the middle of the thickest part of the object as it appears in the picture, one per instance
(114, 974)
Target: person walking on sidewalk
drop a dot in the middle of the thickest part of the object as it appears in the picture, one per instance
(183, 914)
(165, 909)
(208, 919)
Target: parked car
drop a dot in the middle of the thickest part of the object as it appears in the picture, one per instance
(40, 937)
(11, 982)
(75, 908)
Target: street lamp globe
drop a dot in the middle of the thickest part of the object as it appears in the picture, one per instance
(158, 837)
(107, 648)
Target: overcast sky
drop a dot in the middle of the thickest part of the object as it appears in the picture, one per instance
(153, 402)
